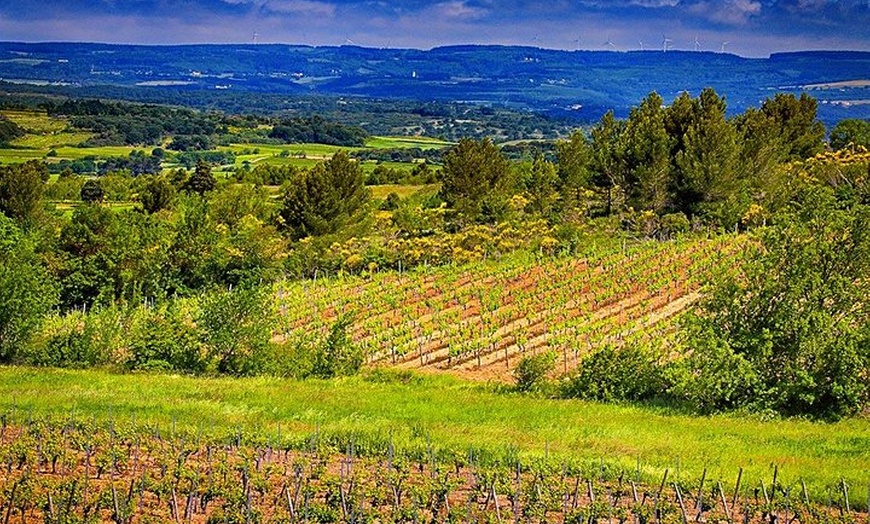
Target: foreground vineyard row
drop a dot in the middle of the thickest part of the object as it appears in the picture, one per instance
(74, 473)
(479, 320)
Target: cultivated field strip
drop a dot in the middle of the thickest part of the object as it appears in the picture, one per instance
(65, 473)
(479, 320)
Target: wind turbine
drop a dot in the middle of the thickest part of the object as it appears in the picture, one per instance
(665, 43)
(609, 44)
(696, 44)
(640, 42)
(255, 36)
(577, 41)
(722, 49)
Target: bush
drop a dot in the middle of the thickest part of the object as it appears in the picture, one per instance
(531, 372)
(166, 339)
(338, 356)
(27, 291)
(632, 373)
(713, 377)
(673, 224)
(78, 340)
(788, 329)
(236, 326)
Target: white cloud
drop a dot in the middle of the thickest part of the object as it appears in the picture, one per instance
(459, 9)
(728, 12)
(655, 3)
(305, 7)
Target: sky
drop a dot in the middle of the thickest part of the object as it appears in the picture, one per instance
(744, 27)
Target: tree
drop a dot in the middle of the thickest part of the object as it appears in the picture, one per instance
(27, 291)
(21, 188)
(792, 122)
(541, 187)
(648, 152)
(92, 192)
(794, 322)
(475, 180)
(156, 194)
(236, 327)
(851, 131)
(708, 164)
(574, 156)
(9, 130)
(338, 355)
(325, 198)
(609, 160)
(201, 181)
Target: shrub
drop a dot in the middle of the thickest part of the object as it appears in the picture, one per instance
(78, 340)
(338, 356)
(713, 377)
(166, 339)
(236, 326)
(792, 319)
(632, 373)
(531, 372)
(673, 224)
(27, 291)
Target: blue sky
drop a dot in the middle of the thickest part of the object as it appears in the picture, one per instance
(751, 27)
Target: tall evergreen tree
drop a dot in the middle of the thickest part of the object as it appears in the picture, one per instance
(201, 181)
(648, 151)
(475, 179)
(325, 198)
(574, 156)
(708, 163)
(609, 162)
(541, 186)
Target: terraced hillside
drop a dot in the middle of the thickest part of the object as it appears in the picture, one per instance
(478, 321)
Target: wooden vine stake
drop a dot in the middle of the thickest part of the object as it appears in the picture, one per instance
(737, 488)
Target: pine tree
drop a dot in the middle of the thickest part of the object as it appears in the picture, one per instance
(574, 157)
(475, 179)
(708, 163)
(325, 198)
(649, 155)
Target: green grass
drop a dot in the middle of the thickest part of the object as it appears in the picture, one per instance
(404, 191)
(399, 142)
(52, 141)
(414, 410)
(17, 156)
(36, 122)
(11, 155)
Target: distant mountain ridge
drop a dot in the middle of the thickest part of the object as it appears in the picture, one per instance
(580, 84)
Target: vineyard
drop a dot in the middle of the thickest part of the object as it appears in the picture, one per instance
(78, 472)
(478, 321)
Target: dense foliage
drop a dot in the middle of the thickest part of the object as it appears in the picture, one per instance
(119, 123)
(9, 131)
(790, 331)
(144, 234)
(318, 130)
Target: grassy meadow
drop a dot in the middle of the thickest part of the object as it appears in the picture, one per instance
(448, 413)
(47, 134)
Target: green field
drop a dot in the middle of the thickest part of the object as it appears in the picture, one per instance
(35, 122)
(418, 410)
(48, 133)
(381, 192)
(398, 142)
